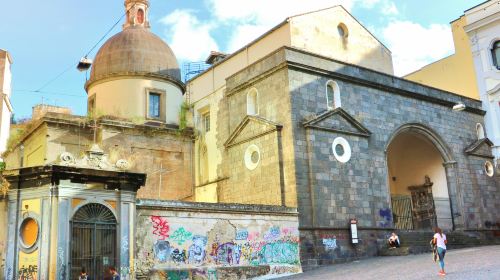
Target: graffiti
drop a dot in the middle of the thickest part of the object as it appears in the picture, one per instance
(9, 273)
(178, 275)
(339, 236)
(181, 235)
(253, 235)
(273, 233)
(28, 273)
(228, 254)
(387, 215)
(242, 234)
(160, 227)
(179, 256)
(281, 252)
(124, 272)
(196, 252)
(60, 260)
(125, 244)
(162, 250)
(212, 274)
(330, 244)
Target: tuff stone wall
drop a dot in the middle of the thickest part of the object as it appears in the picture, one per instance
(375, 108)
(178, 240)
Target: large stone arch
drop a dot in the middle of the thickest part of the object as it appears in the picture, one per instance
(448, 163)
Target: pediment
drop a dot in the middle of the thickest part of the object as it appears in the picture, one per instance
(339, 121)
(480, 148)
(251, 127)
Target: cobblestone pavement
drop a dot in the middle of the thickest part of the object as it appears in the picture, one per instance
(470, 263)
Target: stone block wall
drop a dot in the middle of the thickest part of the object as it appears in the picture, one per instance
(214, 241)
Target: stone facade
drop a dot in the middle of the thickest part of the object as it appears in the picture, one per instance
(375, 109)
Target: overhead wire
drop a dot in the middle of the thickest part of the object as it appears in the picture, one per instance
(39, 90)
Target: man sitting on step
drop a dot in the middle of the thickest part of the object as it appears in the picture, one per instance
(393, 241)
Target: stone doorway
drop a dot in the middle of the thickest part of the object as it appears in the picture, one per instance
(417, 182)
(93, 241)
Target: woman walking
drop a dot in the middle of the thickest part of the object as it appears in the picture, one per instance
(440, 241)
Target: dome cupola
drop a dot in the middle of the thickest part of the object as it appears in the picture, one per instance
(130, 66)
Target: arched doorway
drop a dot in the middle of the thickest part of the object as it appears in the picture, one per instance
(417, 180)
(93, 241)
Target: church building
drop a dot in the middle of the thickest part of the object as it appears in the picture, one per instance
(298, 150)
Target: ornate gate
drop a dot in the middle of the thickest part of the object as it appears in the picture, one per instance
(93, 241)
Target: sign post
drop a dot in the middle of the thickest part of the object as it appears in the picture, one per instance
(354, 231)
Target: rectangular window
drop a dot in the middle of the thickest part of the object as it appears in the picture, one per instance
(205, 118)
(154, 105)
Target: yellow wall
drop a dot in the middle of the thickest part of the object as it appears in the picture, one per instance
(454, 73)
(409, 159)
(131, 95)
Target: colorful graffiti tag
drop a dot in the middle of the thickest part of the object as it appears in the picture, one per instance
(160, 227)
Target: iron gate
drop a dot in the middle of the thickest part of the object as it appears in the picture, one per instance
(93, 241)
(402, 212)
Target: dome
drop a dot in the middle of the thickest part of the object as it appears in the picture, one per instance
(135, 51)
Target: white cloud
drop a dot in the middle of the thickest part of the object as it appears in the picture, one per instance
(389, 8)
(368, 4)
(189, 38)
(414, 46)
(267, 12)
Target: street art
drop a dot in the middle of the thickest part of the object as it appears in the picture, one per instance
(180, 236)
(242, 234)
(160, 227)
(386, 214)
(202, 247)
(330, 244)
(162, 251)
(196, 252)
(28, 273)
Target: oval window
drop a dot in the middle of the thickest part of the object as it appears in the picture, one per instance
(29, 232)
(488, 168)
(341, 149)
(252, 157)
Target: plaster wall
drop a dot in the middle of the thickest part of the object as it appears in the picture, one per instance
(127, 98)
(202, 241)
(317, 32)
(443, 73)
(5, 93)
(409, 159)
(483, 29)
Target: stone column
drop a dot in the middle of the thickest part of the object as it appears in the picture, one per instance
(455, 195)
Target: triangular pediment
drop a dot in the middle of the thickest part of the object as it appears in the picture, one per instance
(339, 121)
(251, 127)
(480, 148)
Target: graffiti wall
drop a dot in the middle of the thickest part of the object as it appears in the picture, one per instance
(204, 239)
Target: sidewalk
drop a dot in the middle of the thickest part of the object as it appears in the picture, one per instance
(470, 263)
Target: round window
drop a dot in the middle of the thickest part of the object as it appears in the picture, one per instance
(252, 157)
(29, 232)
(488, 168)
(341, 149)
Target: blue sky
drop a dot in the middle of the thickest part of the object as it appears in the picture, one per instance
(47, 37)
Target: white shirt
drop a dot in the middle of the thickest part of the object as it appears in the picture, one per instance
(440, 240)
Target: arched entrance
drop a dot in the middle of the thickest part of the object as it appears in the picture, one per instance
(417, 179)
(93, 241)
